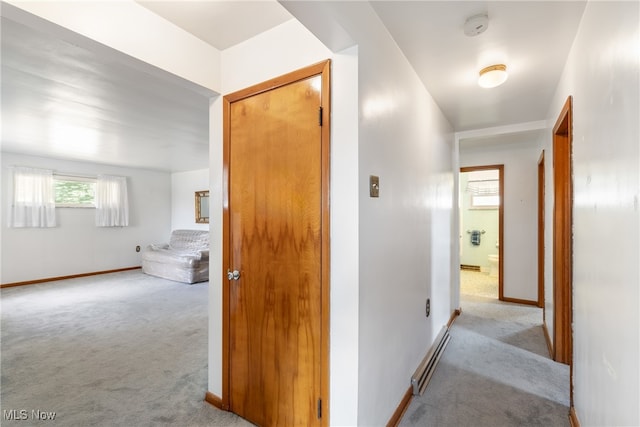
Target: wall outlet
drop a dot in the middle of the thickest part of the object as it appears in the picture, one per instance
(427, 307)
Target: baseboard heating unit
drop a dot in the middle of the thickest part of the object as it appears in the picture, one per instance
(425, 370)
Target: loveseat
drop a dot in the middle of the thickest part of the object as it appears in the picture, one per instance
(184, 259)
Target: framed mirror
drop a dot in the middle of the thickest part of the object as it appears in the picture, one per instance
(202, 207)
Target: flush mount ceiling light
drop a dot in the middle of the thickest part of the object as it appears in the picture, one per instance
(493, 75)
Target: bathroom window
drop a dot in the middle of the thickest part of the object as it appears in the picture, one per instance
(485, 201)
(485, 194)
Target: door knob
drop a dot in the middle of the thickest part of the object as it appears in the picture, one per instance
(233, 275)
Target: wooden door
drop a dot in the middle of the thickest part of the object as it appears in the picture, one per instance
(277, 229)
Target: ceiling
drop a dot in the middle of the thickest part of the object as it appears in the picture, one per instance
(63, 100)
(222, 24)
(532, 38)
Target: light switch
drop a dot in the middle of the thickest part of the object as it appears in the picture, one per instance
(374, 186)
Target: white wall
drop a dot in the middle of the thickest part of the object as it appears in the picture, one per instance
(283, 49)
(183, 188)
(520, 160)
(602, 74)
(76, 245)
(344, 237)
(405, 244)
(405, 235)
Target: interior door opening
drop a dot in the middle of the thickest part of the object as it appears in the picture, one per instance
(481, 231)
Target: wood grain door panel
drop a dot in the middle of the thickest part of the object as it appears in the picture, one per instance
(275, 233)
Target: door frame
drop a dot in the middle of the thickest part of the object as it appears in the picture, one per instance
(500, 169)
(323, 69)
(541, 208)
(562, 238)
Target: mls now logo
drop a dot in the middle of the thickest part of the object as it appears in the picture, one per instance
(23, 414)
(42, 415)
(14, 414)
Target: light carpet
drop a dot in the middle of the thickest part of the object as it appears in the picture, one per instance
(122, 349)
(495, 372)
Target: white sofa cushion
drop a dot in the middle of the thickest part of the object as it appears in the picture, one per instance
(184, 259)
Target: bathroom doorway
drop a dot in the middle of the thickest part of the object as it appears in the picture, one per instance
(481, 231)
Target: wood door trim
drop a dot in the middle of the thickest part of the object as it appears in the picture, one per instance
(562, 239)
(322, 69)
(214, 400)
(541, 207)
(283, 80)
(562, 220)
(573, 417)
(500, 169)
(521, 301)
(226, 239)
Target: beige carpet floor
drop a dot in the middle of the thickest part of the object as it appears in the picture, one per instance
(123, 349)
(496, 370)
(128, 349)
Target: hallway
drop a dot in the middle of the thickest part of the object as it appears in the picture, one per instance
(495, 371)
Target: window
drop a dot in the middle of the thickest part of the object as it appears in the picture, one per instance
(74, 192)
(481, 201)
(484, 193)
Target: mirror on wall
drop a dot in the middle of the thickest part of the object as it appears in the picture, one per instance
(202, 207)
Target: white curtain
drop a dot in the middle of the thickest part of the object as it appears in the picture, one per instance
(33, 198)
(112, 203)
(489, 187)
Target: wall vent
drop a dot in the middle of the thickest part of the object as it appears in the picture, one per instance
(425, 370)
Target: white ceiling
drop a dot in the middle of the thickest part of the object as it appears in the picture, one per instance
(532, 38)
(522, 137)
(62, 100)
(222, 24)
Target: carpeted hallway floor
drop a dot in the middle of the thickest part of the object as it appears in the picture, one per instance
(127, 349)
(122, 349)
(496, 370)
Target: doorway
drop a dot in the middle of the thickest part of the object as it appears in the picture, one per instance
(481, 231)
(276, 249)
(563, 239)
(541, 209)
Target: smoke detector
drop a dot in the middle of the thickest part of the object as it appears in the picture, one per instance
(476, 24)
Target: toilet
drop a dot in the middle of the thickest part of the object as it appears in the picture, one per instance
(494, 262)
